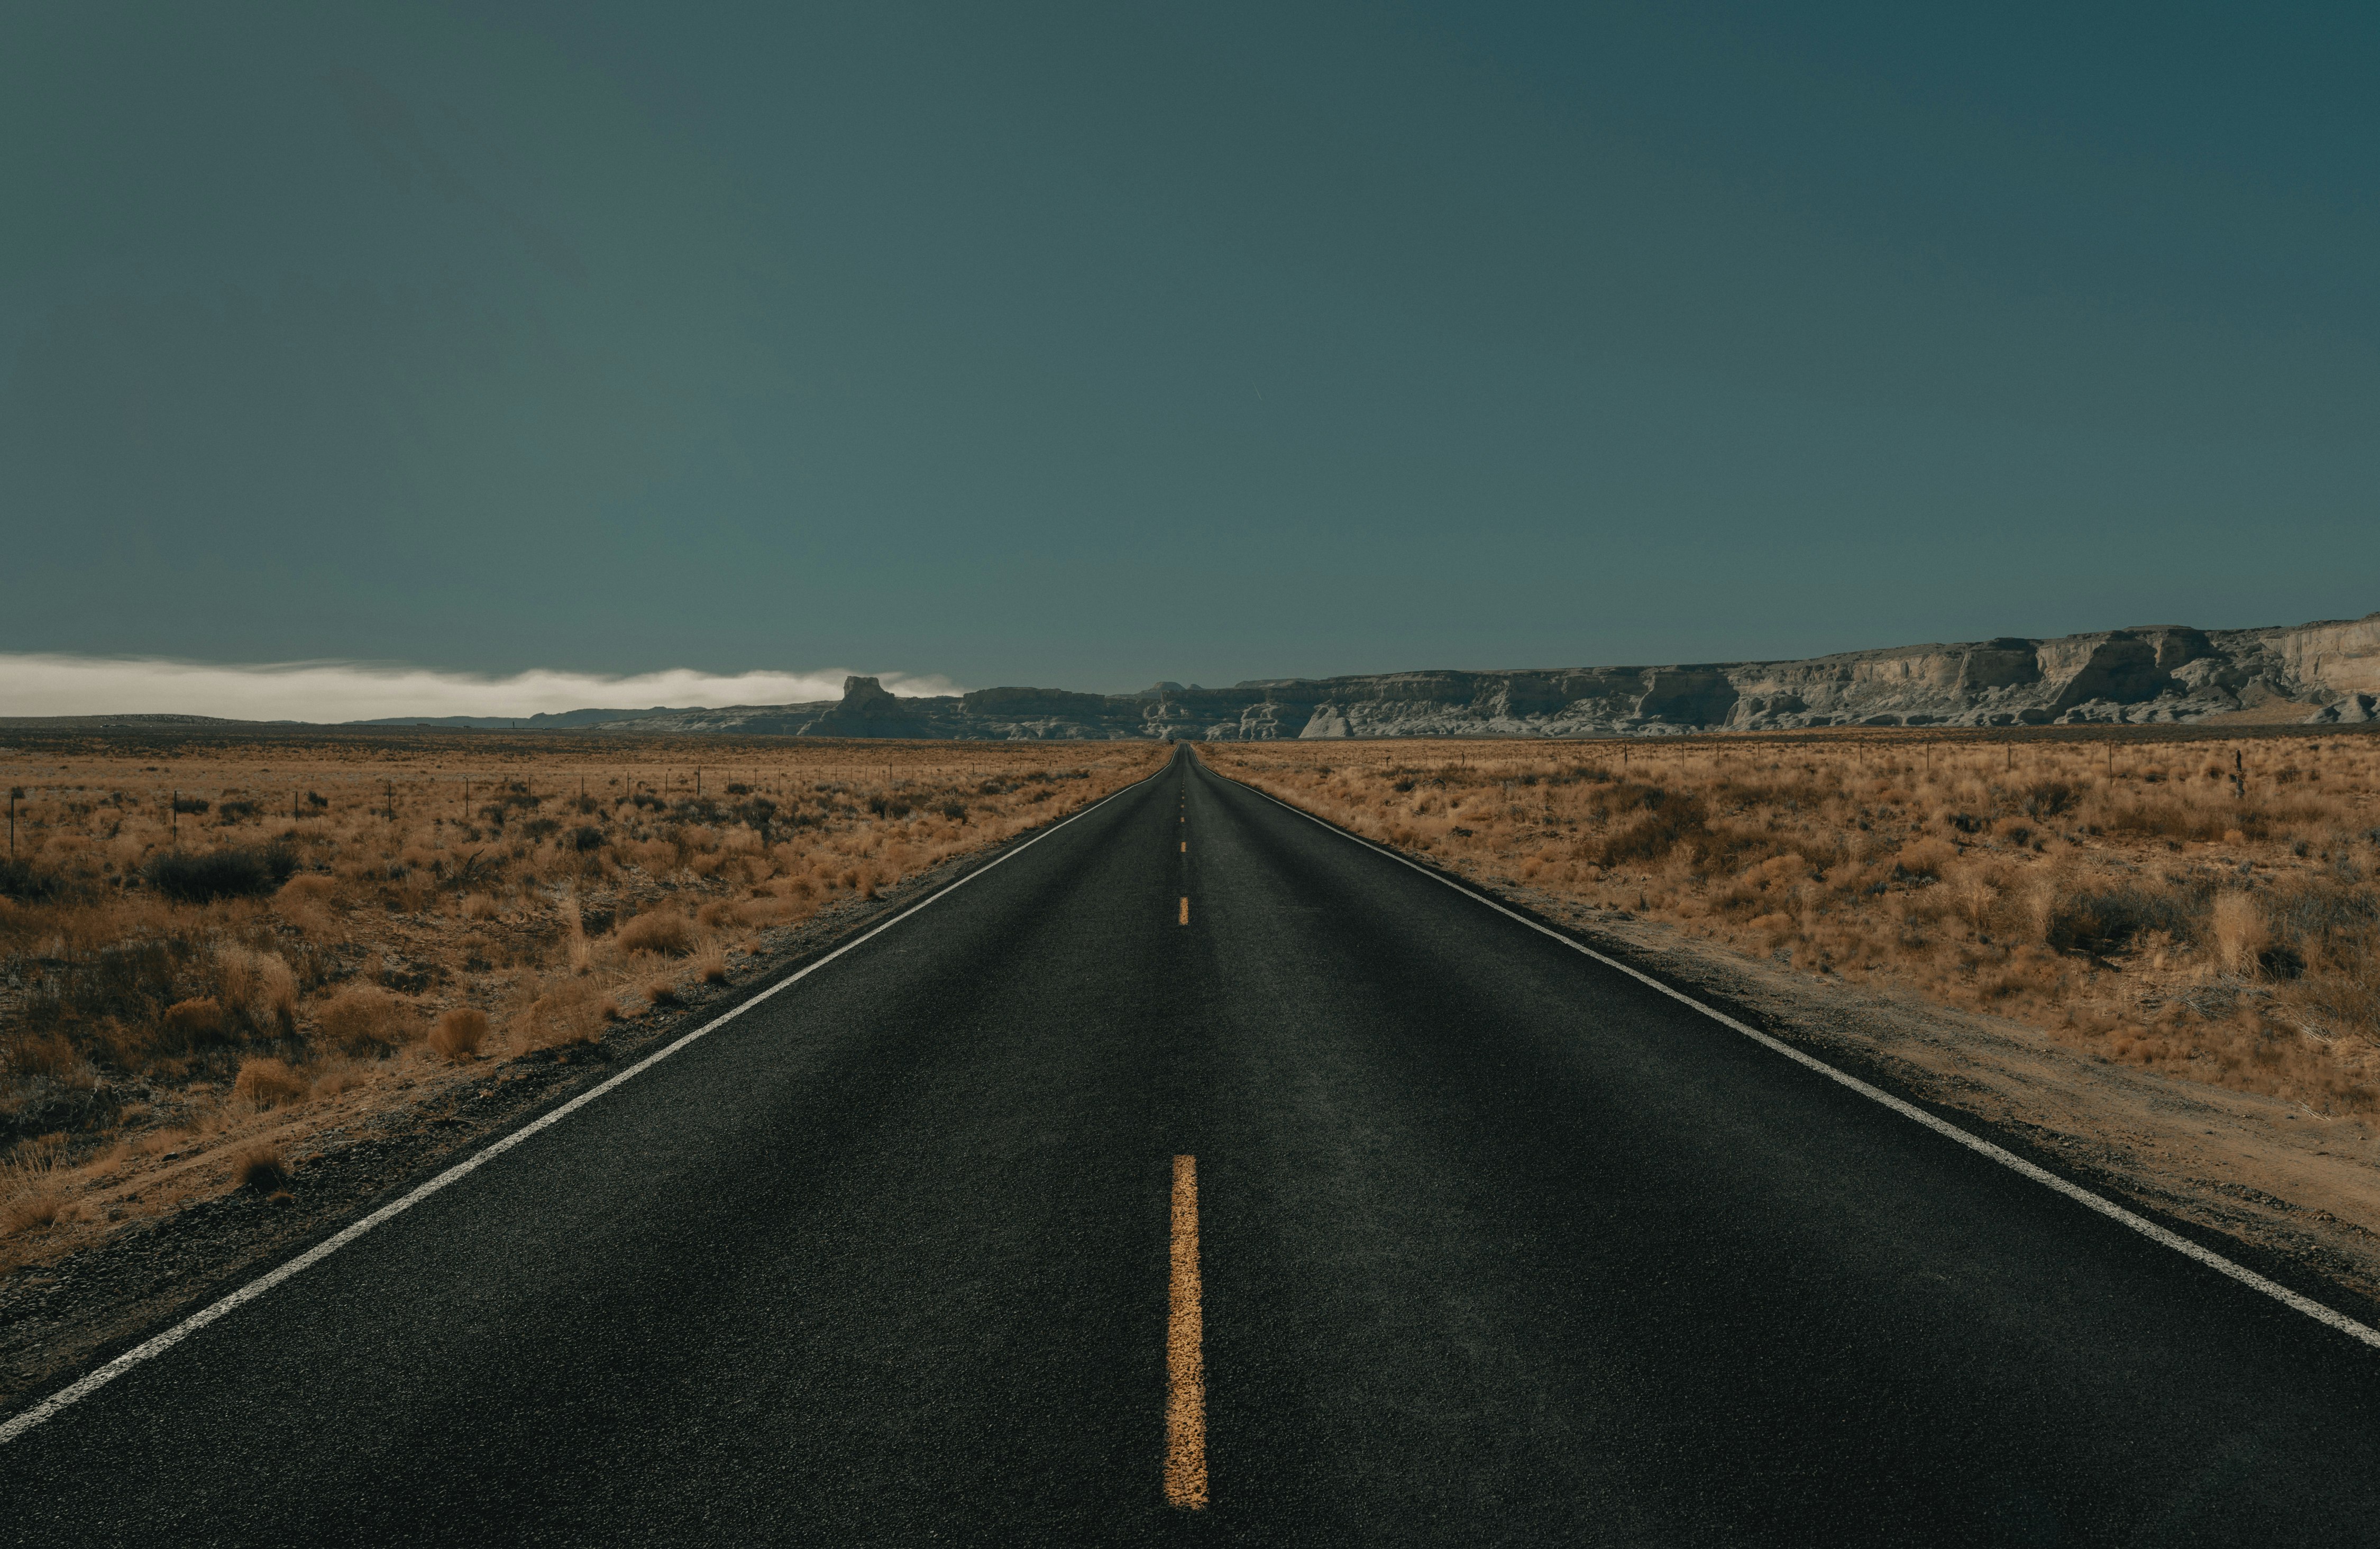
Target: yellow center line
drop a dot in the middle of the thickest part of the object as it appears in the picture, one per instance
(1185, 1356)
(1185, 910)
(1186, 847)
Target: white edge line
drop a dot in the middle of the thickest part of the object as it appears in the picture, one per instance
(158, 1345)
(2006, 1158)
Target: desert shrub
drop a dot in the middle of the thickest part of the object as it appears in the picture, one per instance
(712, 963)
(2340, 909)
(585, 839)
(755, 813)
(190, 804)
(662, 931)
(27, 883)
(268, 1084)
(366, 1019)
(260, 1166)
(458, 1033)
(195, 1023)
(2102, 919)
(2049, 798)
(1662, 818)
(235, 812)
(236, 873)
(2170, 819)
(131, 982)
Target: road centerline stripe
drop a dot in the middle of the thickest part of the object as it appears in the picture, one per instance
(1185, 910)
(1185, 1357)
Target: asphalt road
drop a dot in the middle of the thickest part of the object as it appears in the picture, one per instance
(1495, 1245)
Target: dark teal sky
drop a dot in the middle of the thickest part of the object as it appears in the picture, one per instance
(1093, 345)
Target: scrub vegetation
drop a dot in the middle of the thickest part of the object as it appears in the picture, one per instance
(210, 950)
(2201, 907)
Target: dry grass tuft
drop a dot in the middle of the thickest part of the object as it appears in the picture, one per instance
(34, 1189)
(571, 1013)
(368, 1019)
(269, 1084)
(196, 1022)
(2238, 926)
(257, 986)
(261, 1166)
(458, 1033)
(712, 963)
(662, 931)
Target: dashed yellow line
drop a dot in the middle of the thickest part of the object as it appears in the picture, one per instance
(1185, 1354)
(1185, 910)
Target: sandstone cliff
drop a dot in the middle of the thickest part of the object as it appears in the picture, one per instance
(2163, 672)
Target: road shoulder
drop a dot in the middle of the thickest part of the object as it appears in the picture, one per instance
(2287, 1192)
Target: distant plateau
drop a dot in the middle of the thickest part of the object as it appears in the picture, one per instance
(2324, 672)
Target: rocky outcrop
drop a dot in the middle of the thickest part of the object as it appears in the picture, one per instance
(2154, 674)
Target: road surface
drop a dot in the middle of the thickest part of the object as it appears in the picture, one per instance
(1487, 1244)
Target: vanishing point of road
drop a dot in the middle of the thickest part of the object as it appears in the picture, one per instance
(1196, 1174)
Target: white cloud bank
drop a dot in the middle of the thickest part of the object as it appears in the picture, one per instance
(334, 691)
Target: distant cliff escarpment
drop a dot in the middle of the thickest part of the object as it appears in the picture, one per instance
(2162, 673)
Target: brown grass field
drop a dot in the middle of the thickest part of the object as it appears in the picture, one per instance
(188, 989)
(2199, 906)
